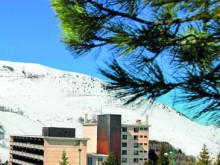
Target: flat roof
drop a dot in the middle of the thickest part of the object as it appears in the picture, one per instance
(50, 137)
(109, 114)
(90, 124)
(135, 125)
(98, 155)
(65, 138)
(127, 125)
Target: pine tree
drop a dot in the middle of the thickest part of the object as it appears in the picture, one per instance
(158, 47)
(64, 159)
(152, 157)
(163, 157)
(149, 162)
(204, 158)
(217, 161)
(111, 160)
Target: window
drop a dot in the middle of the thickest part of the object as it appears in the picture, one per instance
(135, 137)
(124, 160)
(124, 144)
(124, 152)
(136, 129)
(135, 145)
(124, 129)
(145, 129)
(141, 158)
(141, 151)
(100, 161)
(141, 136)
(141, 144)
(145, 144)
(145, 151)
(135, 160)
(141, 128)
(124, 136)
(135, 152)
(89, 161)
(145, 136)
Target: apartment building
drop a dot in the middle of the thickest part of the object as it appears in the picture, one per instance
(134, 143)
(129, 142)
(48, 148)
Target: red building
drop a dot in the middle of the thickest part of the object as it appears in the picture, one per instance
(109, 135)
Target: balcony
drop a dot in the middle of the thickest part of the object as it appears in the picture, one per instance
(27, 145)
(29, 155)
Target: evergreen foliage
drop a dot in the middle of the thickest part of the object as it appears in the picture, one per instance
(64, 159)
(150, 162)
(162, 47)
(152, 157)
(217, 161)
(111, 160)
(163, 157)
(204, 158)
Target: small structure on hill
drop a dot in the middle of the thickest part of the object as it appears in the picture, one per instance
(1, 134)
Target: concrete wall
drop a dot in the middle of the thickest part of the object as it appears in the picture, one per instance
(90, 131)
(53, 149)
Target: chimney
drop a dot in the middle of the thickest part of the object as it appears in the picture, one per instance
(146, 119)
(138, 122)
(86, 118)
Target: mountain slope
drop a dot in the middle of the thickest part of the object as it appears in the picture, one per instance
(41, 96)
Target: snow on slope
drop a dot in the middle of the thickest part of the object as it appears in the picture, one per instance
(17, 125)
(50, 97)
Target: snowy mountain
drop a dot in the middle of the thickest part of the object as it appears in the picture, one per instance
(32, 96)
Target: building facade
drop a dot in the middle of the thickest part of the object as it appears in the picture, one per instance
(134, 144)
(90, 131)
(128, 142)
(96, 159)
(131, 141)
(47, 150)
(109, 135)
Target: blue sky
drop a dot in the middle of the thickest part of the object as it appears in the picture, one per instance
(30, 32)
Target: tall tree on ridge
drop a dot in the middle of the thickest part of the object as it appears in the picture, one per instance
(163, 157)
(204, 158)
(217, 161)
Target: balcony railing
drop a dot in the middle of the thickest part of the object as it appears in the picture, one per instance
(34, 156)
(27, 145)
(21, 162)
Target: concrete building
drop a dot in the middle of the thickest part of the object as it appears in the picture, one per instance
(135, 143)
(129, 142)
(93, 158)
(90, 131)
(47, 150)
